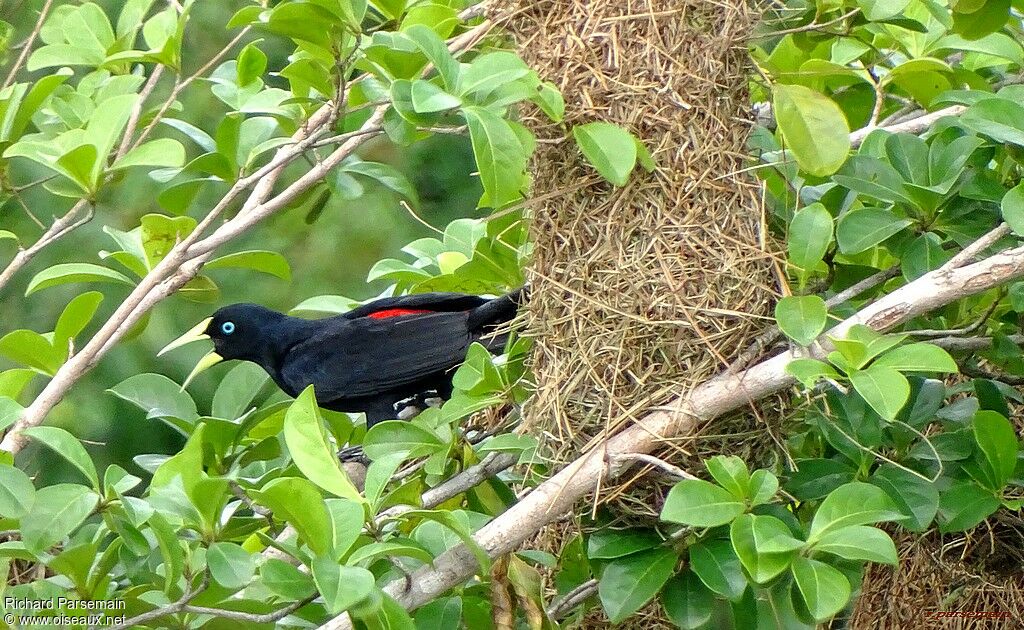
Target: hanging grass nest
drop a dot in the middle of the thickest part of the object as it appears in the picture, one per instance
(965, 581)
(641, 292)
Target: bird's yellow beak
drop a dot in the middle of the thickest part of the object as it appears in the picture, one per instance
(197, 333)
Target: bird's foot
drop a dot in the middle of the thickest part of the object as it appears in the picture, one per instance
(353, 454)
(413, 405)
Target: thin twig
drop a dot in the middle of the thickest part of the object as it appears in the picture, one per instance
(26, 47)
(568, 602)
(170, 609)
(813, 26)
(237, 615)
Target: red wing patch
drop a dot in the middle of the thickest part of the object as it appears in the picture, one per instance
(397, 312)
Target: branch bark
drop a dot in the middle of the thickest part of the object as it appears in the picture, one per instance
(713, 398)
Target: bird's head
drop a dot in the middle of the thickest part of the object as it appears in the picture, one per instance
(239, 331)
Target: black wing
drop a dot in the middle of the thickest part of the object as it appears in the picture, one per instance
(365, 356)
(438, 302)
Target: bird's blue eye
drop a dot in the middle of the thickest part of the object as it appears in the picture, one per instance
(227, 328)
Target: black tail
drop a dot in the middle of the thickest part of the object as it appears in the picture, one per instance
(485, 317)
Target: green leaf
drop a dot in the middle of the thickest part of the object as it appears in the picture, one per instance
(731, 473)
(285, 580)
(860, 230)
(885, 389)
(17, 494)
(298, 502)
(308, 444)
(1012, 207)
(385, 175)
(810, 371)
(163, 152)
(859, 542)
(252, 63)
(609, 148)
(814, 127)
(500, 156)
(230, 566)
(68, 447)
(855, 503)
(267, 262)
(916, 498)
(78, 165)
(878, 10)
(810, 234)
(628, 583)
(918, 357)
(998, 118)
(160, 233)
(687, 602)
(57, 511)
(68, 273)
(237, 390)
(997, 443)
(699, 503)
(491, 71)
(763, 486)
(825, 589)
(963, 505)
(157, 395)
(437, 52)
(608, 543)
(395, 436)
(33, 350)
(341, 587)
(75, 317)
(717, 565)
(802, 318)
(428, 98)
(764, 545)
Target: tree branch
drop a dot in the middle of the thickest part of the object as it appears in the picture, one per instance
(715, 397)
(914, 125)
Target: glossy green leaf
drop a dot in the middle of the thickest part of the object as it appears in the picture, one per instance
(17, 494)
(230, 566)
(825, 589)
(814, 127)
(810, 234)
(56, 512)
(687, 602)
(67, 446)
(68, 273)
(885, 389)
(698, 503)
(860, 230)
(628, 583)
(264, 261)
(716, 564)
(802, 318)
(341, 587)
(851, 504)
(311, 450)
(298, 502)
(609, 148)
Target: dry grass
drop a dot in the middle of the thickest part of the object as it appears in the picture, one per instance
(642, 292)
(977, 572)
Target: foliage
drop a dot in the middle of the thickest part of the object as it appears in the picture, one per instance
(200, 540)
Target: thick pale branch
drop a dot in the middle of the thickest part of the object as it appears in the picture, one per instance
(724, 393)
(914, 125)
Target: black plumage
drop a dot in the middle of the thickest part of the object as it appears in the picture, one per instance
(372, 358)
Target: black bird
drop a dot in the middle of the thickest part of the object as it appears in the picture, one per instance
(378, 359)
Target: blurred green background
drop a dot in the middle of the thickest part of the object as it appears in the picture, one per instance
(331, 256)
